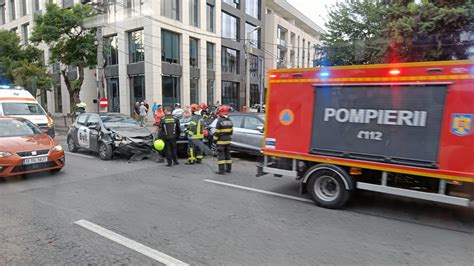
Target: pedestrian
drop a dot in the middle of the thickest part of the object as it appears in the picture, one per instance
(153, 109)
(222, 138)
(187, 111)
(146, 105)
(169, 130)
(158, 114)
(178, 112)
(136, 111)
(142, 112)
(195, 135)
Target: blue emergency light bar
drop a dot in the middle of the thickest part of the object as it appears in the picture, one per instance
(4, 86)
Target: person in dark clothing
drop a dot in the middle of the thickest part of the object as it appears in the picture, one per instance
(169, 131)
(222, 138)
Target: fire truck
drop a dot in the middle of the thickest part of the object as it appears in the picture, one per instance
(403, 129)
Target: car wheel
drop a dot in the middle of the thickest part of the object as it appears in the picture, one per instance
(71, 146)
(105, 151)
(57, 170)
(328, 190)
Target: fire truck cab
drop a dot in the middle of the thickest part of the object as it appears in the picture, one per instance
(403, 129)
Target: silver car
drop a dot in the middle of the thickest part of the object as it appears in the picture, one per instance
(248, 132)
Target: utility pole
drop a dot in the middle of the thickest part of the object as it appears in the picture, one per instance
(247, 48)
(100, 52)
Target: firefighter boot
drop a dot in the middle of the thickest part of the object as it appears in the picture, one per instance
(228, 168)
(221, 169)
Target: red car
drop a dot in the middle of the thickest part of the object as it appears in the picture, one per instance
(24, 148)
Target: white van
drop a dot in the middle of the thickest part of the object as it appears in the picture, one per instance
(20, 103)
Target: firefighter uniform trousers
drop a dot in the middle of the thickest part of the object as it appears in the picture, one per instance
(195, 134)
(222, 137)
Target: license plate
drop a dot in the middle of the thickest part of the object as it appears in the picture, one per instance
(35, 160)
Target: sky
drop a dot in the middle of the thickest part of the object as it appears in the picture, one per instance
(313, 9)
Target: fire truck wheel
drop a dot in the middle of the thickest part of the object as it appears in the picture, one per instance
(328, 190)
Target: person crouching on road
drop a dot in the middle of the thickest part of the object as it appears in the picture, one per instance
(169, 131)
(195, 136)
(222, 138)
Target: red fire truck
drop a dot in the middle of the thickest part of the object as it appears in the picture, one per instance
(403, 129)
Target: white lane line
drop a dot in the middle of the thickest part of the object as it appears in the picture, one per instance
(131, 244)
(80, 155)
(258, 190)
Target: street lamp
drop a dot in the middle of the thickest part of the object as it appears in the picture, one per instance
(247, 49)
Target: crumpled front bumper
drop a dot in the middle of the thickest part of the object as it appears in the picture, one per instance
(133, 146)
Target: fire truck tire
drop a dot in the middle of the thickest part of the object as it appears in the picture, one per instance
(328, 190)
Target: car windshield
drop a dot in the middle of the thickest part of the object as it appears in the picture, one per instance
(22, 109)
(10, 128)
(118, 121)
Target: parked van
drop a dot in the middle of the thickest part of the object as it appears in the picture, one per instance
(20, 103)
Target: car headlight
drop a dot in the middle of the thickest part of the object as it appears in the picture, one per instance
(118, 137)
(4, 154)
(57, 148)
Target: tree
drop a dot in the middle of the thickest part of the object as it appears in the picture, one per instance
(368, 32)
(70, 43)
(22, 66)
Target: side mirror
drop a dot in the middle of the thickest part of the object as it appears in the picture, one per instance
(260, 128)
(93, 126)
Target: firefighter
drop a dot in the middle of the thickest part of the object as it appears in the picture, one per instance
(222, 138)
(169, 130)
(195, 136)
(204, 110)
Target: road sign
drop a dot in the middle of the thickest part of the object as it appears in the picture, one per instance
(103, 102)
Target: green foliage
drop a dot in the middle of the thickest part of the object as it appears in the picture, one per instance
(22, 66)
(368, 32)
(70, 42)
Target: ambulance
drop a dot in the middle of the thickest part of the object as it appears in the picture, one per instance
(403, 129)
(20, 103)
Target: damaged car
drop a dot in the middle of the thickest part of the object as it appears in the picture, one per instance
(109, 134)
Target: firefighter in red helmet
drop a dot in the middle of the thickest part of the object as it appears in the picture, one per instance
(195, 136)
(222, 138)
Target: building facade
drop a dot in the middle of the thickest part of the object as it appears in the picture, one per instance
(178, 51)
(290, 37)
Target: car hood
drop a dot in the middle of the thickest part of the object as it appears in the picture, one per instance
(131, 132)
(26, 143)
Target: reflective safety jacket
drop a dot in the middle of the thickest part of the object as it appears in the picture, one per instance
(224, 129)
(195, 130)
(169, 127)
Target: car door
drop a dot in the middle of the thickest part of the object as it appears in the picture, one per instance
(93, 125)
(82, 133)
(75, 127)
(252, 131)
(237, 135)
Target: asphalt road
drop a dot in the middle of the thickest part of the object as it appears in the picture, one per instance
(179, 212)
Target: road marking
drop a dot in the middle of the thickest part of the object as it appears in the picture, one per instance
(258, 190)
(131, 244)
(80, 155)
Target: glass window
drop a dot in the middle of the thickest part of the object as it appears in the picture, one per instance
(2, 14)
(24, 33)
(253, 35)
(253, 66)
(252, 8)
(170, 90)
(23, 8)
(237, 120)
(210, 91)
(36, 5)
(170, 8)
(58, 100)
(22, 109)
(136, 48)
(194, 12)
(193, 52)
(230, 60)
(194, 90)
(93, 120)
(210, 56)
(253, 123)
(12, 10)
(111, 50)
(170, 47)
(234, 3)
(230, 27)
(9, 128)
(230, 93)
(137, 84)
(211, 20)
(254, 94)
(81, 120)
